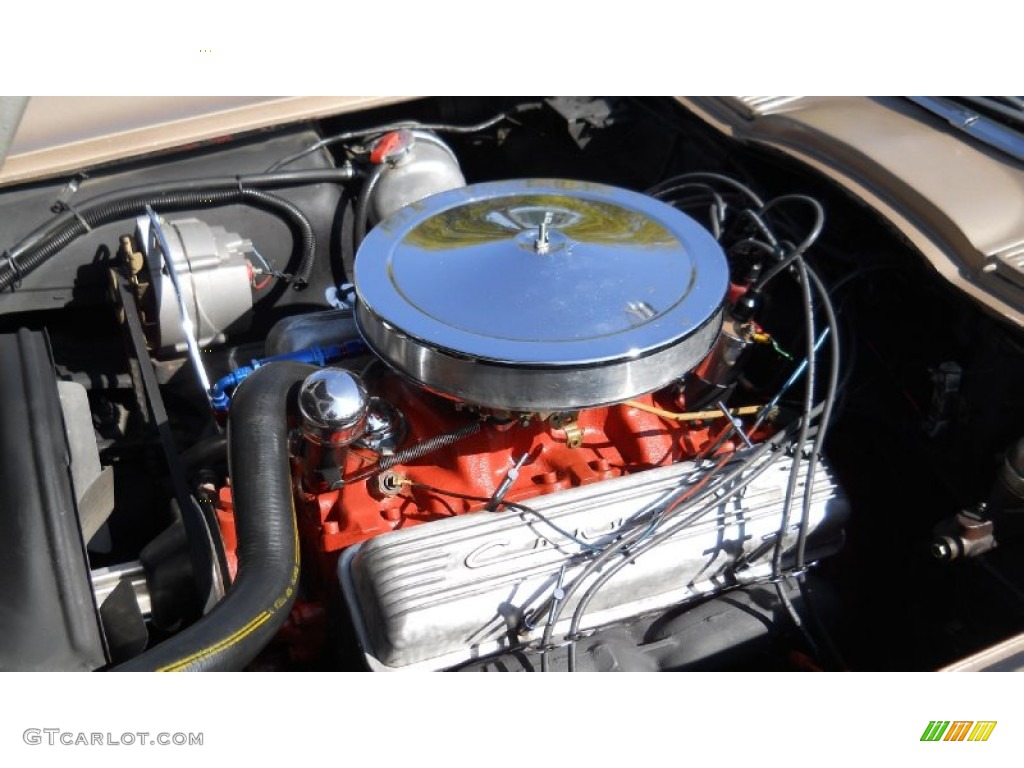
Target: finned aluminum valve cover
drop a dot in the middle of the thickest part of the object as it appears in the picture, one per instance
(433, 596)
(540, 295)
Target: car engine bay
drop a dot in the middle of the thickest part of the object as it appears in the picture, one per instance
(495, 384)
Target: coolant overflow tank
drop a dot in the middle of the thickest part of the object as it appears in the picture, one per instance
(540, 295)
(413, 165)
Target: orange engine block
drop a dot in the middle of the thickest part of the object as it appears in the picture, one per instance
(613, 441)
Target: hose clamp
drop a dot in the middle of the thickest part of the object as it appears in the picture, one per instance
(795, 573)
(63, 201)
(72, 210)
(13, 266)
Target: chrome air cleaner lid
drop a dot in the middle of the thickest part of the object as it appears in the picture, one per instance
(540, 295)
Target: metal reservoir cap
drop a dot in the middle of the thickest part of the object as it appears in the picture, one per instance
(540, 295)
(333, 404)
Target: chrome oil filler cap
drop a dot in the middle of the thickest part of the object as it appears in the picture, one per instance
(333, 405)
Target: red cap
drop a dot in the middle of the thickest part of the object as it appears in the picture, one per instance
(389, 145)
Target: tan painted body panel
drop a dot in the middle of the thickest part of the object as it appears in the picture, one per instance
(63, 134)
(958, 202)
(1007, 656)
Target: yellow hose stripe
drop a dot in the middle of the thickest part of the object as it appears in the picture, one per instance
(227, 642)
(239, 635)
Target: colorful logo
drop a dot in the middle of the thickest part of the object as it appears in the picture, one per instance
(958, 730)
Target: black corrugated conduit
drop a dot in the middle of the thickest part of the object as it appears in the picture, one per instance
(46, 241)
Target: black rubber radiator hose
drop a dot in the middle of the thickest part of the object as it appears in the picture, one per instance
(258, 602)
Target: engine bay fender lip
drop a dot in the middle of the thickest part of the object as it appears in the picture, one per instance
(900, 161)
(1007, 656)
(113, 128)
